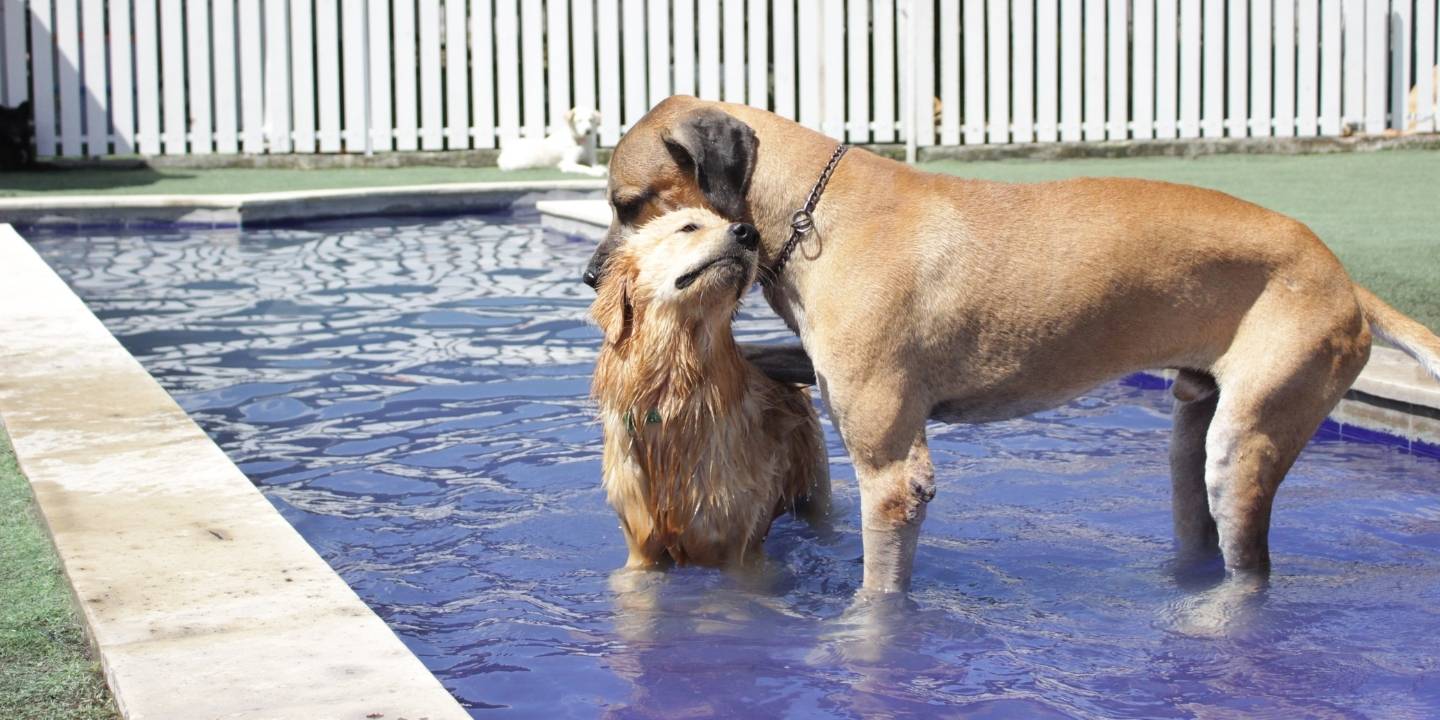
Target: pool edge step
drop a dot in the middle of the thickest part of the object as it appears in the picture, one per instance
(199, 598)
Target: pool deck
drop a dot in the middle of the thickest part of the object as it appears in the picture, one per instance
(1394, 401)
(289, 206)
(200, 599)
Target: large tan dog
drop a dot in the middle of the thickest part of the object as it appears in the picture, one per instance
(925, 296)
(702, 450)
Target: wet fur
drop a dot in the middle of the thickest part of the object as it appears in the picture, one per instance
(733, 450)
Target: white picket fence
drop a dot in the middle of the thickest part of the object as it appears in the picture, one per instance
(327, 76)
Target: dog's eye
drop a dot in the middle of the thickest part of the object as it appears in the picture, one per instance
(689, 228)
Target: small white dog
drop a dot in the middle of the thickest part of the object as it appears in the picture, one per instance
(564, 148)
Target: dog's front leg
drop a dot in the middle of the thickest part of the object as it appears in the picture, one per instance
(885, 435)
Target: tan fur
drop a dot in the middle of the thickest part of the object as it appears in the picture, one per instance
(929, 296)
(733, 449)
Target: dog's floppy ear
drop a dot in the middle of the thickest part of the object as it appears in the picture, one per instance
(720, 150)
(612, 309)
(570, 116)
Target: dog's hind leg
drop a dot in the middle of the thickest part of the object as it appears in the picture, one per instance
(1195, 399)
(1272, 400)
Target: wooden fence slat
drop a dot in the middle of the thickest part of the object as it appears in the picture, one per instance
(1212, 123)
(1143, 90)
(757, 27)
(1401, 26)
(227, 117)
(381, 90)
(708, 27)
(1353, 59)
(196, 93)
(407, 67)
(1070, 58)
(1285, 68)
(1332, 86)
(1310, 86)
(1191, 44)
(1047, 72)
(483, 58)
(657, 32)
(252, 79)
(973, 36)
(302, 74)
(1237, 41)
(582, 14)
(998, 64)
(327, 72)
(122, 77)
(147, 76)
(832, 68)
(432, 93)
(858, 44)
(1377, 35)
(95, 88)
(883, 36)
(277, 76)
(1094, 69)
(457, 71)
(1023, 91)
(733, 49)
(784, 38)
(808, 18)
(684, 46)
(354, 73)
(1167, 69)
(15, 18)
(950, 80)
(172, 75)
(607, 23)
(67, 45)
(1261, 115)
(42, 52)
(924, 100)
(1425, 62)
(633, 52)
(1118, 121)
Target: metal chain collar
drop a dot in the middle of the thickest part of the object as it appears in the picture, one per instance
(803, 221)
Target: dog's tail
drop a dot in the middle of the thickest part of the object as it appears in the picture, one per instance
(1415, 339)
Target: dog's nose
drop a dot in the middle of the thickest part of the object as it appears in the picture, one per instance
(746, 235)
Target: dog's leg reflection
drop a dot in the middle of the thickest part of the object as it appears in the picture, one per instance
(1229, 608)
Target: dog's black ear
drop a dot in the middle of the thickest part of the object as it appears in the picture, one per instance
(721, 151)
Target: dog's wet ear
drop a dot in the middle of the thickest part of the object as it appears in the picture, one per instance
(612, 309)
(570, 116)
(720, 150)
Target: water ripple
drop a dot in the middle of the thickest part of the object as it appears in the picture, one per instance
(412, 396)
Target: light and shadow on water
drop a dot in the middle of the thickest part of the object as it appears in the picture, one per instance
(411, 394)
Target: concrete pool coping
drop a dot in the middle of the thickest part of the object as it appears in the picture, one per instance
(1394, 401)
(199, 598)
(277, 207)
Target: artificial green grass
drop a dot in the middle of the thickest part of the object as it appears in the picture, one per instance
(185, 181)
(1379, 212)
(45, 667)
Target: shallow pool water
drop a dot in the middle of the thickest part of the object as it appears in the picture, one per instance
(411, 394)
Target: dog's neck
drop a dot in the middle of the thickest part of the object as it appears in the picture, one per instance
(668, 390)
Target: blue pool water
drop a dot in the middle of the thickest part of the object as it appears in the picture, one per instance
(411, 394)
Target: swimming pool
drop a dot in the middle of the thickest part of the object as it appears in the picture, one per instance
(411, 394)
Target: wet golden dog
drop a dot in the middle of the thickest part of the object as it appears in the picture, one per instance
(923, 296)
(702, 450)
